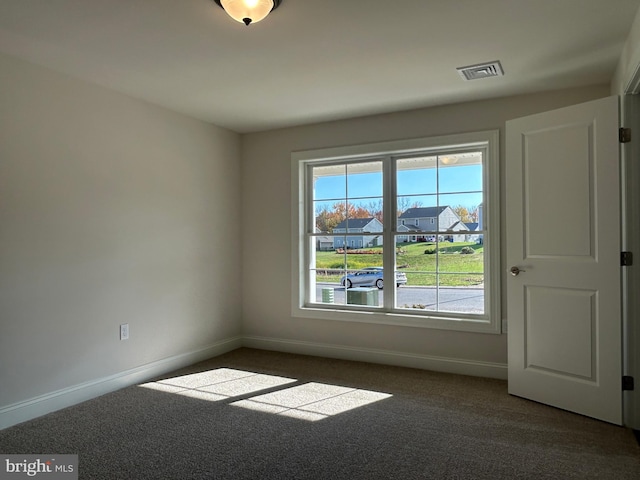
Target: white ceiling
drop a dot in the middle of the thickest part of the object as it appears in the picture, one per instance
(318, 60)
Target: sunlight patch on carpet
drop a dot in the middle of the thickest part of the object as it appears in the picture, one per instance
(311, 401)
(218, 384)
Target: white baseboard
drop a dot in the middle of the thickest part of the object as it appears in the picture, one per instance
(386, 357)
(43, 404)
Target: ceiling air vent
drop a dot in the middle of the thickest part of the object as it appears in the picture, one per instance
(482, 70)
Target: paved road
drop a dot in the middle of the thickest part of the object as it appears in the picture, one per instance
(453, 299)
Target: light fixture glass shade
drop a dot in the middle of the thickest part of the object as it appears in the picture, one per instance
(247, 11)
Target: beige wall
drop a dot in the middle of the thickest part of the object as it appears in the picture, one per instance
(629, 62)
(111, 211)
(267, 208)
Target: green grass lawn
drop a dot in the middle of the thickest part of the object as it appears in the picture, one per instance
(454, 268)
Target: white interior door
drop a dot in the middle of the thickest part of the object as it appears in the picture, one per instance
(563, 234)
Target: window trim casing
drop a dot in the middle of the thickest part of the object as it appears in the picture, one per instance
(489, 141)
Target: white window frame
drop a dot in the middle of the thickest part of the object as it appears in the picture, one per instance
(490, 322)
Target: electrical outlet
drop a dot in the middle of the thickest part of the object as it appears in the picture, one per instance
(124, 331)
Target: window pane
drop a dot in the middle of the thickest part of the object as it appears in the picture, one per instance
(438, 204)
(347, 199)
(415, 257)
(424, 294)
(416, 176)
(371, 208)
(364, 216)
(328, 267)
(461, 257)
(441, 275)
(465, 206)
(417, 212)
(420, 293)
(329, 182)
(338, 270)
(417, 262)
(467, 296)
(364, 180)
(329, 215)
(460, 172)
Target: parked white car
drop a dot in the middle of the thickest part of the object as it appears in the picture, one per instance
(370, 276)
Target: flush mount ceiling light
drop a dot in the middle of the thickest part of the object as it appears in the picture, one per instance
(248, 11)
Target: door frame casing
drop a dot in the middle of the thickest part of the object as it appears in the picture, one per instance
(630, 223)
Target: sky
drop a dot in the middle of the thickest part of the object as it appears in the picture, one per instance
(458, 185)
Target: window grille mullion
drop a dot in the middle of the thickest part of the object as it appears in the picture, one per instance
(389, 228)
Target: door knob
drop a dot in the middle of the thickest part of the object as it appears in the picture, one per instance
(515, 271)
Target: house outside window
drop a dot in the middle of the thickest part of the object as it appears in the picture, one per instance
(398, 215)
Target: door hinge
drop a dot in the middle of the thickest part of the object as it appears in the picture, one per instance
(627, 383)
(626, 259)
(624, 135)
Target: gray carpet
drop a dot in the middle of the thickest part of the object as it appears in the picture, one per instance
(411, 424)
